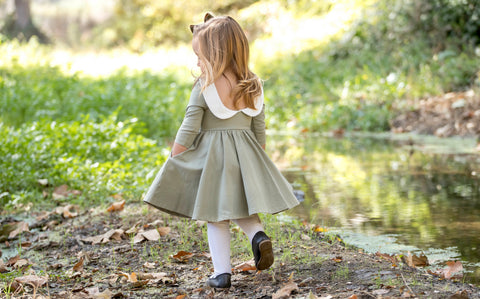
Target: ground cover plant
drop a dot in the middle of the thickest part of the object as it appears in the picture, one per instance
(97, 159)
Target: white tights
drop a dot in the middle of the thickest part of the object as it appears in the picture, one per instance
(219, 240)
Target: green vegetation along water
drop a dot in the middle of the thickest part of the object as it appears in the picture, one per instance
(391, 193)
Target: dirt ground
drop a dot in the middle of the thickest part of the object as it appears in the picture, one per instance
(451, 114)
(118, 255)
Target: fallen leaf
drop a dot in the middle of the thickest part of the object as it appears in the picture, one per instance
(388, 257)
(151, 235)
(415, 261)
(104, 238)
(62, 192)
(78, 267)
(12, 261)
(155, 277)
(93, 291)
(149, 265)
(353, 297)
(65, 211)
(25, 244)
(117, 234)
(407, 294)
(138, 238)
(452, 268)
(338, 259)
(21, 227)
(21, 263)
(133, 277)
(305, 282)
(72, 274)
(205, 254)
(130, 277)
(319, 229)
(460, 295)
(134, 229)
(163, 231)
(246, 266)
(181, 296)
(94, 240)
(36, 281)
(7, 228)
(182, 256)
(305, 237)
(155, 223)
(285, 291)
(116, 206)
(3, 268)
(107, 294)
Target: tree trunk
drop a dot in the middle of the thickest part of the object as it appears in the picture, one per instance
(23, 15)
(20, 24)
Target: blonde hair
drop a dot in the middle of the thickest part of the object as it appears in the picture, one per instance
(223, 46)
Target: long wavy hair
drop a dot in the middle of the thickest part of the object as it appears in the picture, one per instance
(223, 47)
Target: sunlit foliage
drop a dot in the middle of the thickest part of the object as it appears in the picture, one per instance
(99, 159)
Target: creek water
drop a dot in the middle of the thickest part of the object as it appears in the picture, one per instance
(390, 193)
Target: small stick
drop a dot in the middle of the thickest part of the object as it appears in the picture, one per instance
(413, 293)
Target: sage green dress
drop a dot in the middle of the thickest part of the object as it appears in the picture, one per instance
(224, 173)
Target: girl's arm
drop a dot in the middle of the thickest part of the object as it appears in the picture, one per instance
(258, 127)
(192, 122)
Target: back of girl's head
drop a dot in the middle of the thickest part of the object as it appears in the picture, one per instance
(223, 46)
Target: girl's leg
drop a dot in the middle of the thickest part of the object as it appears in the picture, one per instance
(261, 244)
(219, 243)
(250, 225)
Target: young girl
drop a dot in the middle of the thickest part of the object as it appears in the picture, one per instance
(218, 170)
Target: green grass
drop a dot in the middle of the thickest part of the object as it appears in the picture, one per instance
(99, 159)
(45, 93)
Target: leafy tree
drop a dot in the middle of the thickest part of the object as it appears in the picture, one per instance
(444, 19)
(143, 23)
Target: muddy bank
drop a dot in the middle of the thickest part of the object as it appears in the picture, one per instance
(451, 114)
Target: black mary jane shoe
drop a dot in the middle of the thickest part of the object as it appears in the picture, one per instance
(262, 251)
(221, 281)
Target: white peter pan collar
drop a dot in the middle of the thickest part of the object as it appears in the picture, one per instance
(218, 109)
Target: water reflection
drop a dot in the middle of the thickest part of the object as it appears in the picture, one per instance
(425, 192)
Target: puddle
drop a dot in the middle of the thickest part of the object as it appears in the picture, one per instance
(390, 193)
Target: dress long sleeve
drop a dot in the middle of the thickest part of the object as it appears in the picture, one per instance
(192, 121)
(258, 127)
